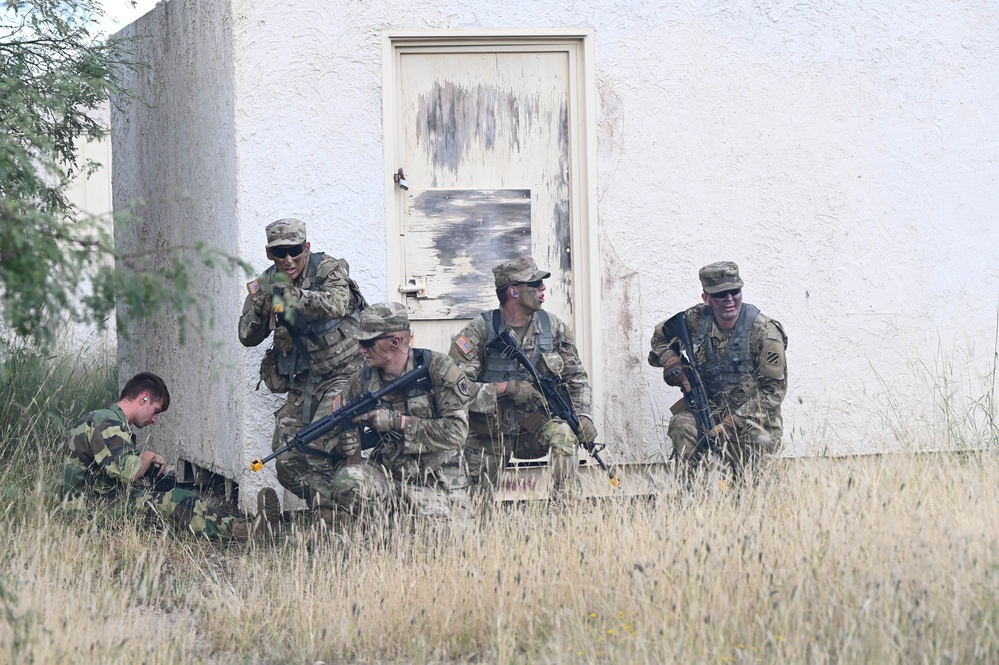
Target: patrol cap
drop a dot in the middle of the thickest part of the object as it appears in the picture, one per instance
(381, 318)
(285, 232)
(720, 276)
(523, 269)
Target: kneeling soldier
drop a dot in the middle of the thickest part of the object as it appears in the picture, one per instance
(103, 469)
(506, 415)
(741, 354)
(418, 434)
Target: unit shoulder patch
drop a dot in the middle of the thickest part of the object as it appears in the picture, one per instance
(771, 359)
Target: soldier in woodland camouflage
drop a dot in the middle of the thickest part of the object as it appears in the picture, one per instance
(744, 369)
(103, 466)
(414, 464)
(310, 303)
(505, 414)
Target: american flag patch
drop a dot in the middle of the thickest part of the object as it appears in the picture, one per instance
(253, 287)
(337, 403)
(463, 344)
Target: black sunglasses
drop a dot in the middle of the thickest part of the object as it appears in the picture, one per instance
(369, 343)
(536, 284)
(721, 295)
(281, 252)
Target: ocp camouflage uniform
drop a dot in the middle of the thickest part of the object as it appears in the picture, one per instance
(747, 385)
(311, 358)
(500, 429)
(101, 460)
(418, 467)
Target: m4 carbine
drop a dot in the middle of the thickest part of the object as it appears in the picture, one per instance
(556, 404)
(343, 418)
(696, 398)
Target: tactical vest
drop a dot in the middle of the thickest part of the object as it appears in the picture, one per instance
(297, 360)
(497, 366)
(417, 402)
(723, 371)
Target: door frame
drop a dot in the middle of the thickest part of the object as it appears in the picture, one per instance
(582, 164)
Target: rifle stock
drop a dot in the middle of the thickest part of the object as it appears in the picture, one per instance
(343, 417)
(556, 405)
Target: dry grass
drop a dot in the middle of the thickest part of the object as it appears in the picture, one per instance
(892, 559)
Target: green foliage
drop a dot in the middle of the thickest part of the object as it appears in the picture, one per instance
(57, 264)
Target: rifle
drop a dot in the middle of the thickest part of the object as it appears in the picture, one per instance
(343, 417)
(696, 398)
(556, 405)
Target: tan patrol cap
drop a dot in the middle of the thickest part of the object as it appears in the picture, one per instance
(381, 318)
(720, 276)
(285, 233)
(523, 269)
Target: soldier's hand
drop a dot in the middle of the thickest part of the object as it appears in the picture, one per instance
(587, 430)
(521, 392)
(724, 431)
(381, 420)
(675, 373)
(262, 305)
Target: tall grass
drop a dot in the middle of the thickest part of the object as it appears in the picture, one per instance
(888, 559)
(40, 396)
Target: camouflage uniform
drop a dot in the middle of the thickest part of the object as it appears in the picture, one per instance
(500, 429)
(418, 466)
(409, 466)
(101, 460)
(313, 353)
(747, 388)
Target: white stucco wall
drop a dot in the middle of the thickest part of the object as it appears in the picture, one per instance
(843, 154)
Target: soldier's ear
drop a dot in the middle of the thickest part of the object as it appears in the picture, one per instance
(514, 293)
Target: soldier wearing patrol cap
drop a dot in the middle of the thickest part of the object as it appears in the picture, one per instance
(506, 416)
(741, 353)
(310, 303)
(414, 464)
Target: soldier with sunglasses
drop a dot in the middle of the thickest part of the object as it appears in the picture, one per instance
(311, 304)
(506, 417)
(415, 434)
(741, 353)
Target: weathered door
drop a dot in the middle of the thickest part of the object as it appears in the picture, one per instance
(488, 135)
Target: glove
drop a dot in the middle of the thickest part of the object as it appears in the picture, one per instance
(587, 430)
(724, 431)
(262, 305)
(675, 373)
(521, 392)
(381, 420)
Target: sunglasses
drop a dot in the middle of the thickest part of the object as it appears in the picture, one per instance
(536, 284)
(282, 252)
(721, 295)
(370, 343)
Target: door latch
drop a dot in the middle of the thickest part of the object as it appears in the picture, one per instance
(415, 286)
(400, 179)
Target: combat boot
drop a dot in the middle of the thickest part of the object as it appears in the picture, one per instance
(268, 514)
(241, 531)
